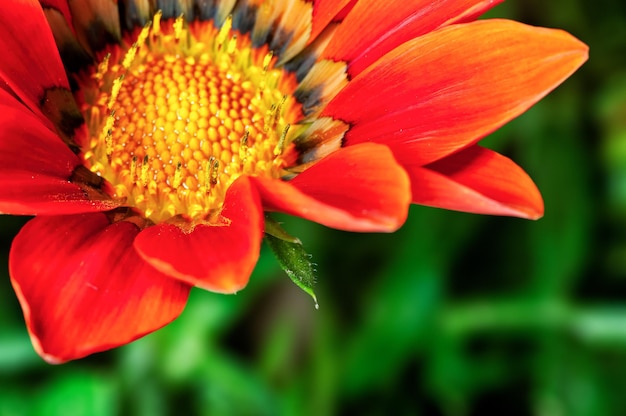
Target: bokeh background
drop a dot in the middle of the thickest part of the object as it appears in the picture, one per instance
(455, 314)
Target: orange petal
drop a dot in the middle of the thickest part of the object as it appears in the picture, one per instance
(84, 289)
(358, 188)
(476, 180)
(220, 257)
(324, 11)
(389, 24)
(448, 89)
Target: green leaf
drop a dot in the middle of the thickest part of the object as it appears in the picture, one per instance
(295, 262)
(273, 228)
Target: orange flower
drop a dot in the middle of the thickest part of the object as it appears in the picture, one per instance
(149, 142)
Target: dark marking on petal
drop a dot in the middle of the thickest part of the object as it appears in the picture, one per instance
(129, 215)
(310, 99)
(279, 40)
(58, 105)
(301, 64)
(130, 16)
(244, 16)
(82, 175)
(304, 146)
(96, 188)
(74, 59)
(344, 139)
(204, 9)
(171, 9)
(311, 145)
(98, 36)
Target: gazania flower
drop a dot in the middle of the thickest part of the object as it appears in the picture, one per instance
(149, 137)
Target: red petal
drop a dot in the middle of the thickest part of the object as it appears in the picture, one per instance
(446, 90)
(476, 180)
(35, 167)
(30, 63)
(389, 24)
(324, 11)
(84, 289)
(27, 145)
(358, 188)
(219, 258)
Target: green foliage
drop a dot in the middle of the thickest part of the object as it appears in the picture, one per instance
(291, 256)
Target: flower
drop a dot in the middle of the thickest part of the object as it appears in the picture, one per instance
(148, 142)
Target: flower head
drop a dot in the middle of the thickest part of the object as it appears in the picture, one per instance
(148, 138)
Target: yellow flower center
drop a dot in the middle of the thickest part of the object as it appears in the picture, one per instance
(184, 111)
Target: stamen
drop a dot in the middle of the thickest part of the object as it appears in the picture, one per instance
(109, 143)
(156, 23)
(115, 91)
(106, 134)
(280, 147)
(232, 45)
(133, 168)
(267, 60)
(177, 176)
(143, 35)
(103, 67)
(279, 108)
(223, 33)
(178, 27)
(207, 174)
(273, 114)
(130, 56)
(243, 147)
(215, 164)
(144, 171)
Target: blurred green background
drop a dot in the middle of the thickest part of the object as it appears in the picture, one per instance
(455, 314)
